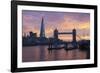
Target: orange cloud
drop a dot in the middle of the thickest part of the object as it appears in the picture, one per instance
(85, 26)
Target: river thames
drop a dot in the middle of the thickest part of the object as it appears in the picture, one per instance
(41, 53)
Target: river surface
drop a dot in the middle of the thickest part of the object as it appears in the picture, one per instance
(41, 53)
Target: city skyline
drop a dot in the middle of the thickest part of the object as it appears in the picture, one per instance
(63, 21)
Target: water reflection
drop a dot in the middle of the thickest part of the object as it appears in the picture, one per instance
(41, 53)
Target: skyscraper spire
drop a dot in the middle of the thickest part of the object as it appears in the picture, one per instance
(42, 29)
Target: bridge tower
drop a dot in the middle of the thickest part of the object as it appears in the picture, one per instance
(74, 35)
(56, 34)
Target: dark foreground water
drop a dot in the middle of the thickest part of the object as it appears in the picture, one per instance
(41, 53)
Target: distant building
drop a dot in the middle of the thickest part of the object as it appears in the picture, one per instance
(33, 35)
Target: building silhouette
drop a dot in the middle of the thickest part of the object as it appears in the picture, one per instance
(42, 29)
(33, 35)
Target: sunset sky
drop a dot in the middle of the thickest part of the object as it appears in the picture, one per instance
(63, 21)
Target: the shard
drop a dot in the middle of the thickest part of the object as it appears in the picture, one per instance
(42, 29)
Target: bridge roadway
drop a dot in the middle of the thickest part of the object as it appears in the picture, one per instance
(65, 33)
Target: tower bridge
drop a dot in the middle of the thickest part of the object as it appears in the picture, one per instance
(73, 33)
(64, 44)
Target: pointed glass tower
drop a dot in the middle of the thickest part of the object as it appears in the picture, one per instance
(42, 29)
